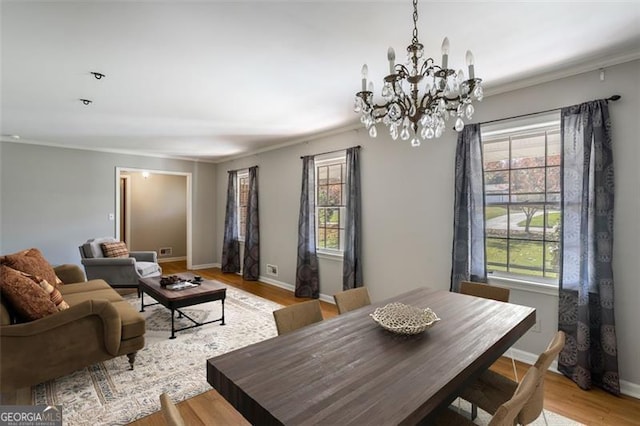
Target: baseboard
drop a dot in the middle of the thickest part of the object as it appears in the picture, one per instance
(206, 266)
(626, 388)
(171, 259)
(630, 389)
(292, 288)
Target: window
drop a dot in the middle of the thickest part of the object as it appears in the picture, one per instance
(243, 200)
(523, 212)
(330, 203)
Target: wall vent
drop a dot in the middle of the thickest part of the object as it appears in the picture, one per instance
(272, 270)
(166, 251)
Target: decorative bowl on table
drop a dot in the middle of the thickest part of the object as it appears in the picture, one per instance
(404, 319)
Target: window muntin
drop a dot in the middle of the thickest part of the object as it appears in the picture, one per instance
(522, 200)
(330, 203)
(242, 201)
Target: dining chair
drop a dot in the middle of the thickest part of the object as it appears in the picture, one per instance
(492, 292)
(170, 411)
(492, 389)
(507, 413)
(351, 299)
(485, 291)
(298, 315)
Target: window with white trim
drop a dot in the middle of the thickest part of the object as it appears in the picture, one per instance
(242, 199)
(523, 211)
(330, 202)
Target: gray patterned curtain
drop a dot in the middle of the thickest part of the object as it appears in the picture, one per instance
(251, 264)
(307, 278)
(586, 277)
(352, 258)
(468, 258)
(230, 245)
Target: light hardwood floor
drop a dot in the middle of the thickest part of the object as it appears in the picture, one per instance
(562, 396)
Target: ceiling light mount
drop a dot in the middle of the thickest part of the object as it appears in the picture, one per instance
(97, 75)
(86, 101)
(405, 111)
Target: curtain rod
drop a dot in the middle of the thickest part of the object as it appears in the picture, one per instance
(612, 98)
(331, 152)
(243, 168)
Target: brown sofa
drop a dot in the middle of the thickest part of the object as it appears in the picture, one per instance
(98, 325)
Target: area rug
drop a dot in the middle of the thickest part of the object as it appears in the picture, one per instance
(108, 393)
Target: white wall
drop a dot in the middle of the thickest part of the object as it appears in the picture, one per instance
(407, 203)
(57, 198)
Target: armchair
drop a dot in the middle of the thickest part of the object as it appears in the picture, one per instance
(118, 272)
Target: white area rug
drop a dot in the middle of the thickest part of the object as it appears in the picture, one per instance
(109, 393)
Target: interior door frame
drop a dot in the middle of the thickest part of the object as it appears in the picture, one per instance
(127, 210)
(188, 175)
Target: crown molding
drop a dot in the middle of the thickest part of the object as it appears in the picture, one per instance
(308, 138)
(106, 150)
(569, 71)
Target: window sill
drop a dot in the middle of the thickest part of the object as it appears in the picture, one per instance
(523, 285)
(331, 256)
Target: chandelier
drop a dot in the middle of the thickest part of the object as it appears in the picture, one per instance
(410, 114)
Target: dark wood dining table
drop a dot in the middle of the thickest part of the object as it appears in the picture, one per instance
(349, 370)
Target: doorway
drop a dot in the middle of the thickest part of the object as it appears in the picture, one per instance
(144, 205)
(125, 208)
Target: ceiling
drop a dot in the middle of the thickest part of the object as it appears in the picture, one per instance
(212, 80)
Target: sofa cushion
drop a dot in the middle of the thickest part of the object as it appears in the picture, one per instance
(28, 299)
(115, 249)
(32, 262)
(93, 249)
(84, 287)
(106, 294)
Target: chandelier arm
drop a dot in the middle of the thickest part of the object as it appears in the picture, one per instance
(426, 66)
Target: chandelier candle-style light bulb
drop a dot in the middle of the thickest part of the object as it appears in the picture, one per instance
(391, 56)
(445, 53)
(469, 59)
(409, 113)
(364, 72)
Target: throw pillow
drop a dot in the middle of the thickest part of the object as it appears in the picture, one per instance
(115, 249)
(54, 293)
(33, 263)
(28, 299)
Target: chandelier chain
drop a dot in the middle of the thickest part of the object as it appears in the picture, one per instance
(415, 21)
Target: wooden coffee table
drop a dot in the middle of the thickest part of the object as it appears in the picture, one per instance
(207, 291)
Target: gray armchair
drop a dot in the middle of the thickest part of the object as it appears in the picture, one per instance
(118, 272)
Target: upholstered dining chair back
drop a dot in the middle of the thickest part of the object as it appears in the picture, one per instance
(485, 291)
(298, 315)
(351, 299)
(507, 413)
(170, 411)
(533, 408)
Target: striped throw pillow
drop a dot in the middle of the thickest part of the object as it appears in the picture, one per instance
(116, 249)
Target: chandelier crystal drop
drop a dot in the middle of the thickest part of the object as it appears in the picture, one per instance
(415, 116)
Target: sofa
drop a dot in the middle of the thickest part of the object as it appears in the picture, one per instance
(97, 325)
